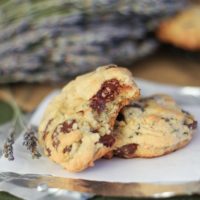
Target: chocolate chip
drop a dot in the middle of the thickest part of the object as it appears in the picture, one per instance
(109, 155)
(44, 135)
(67, 149)
(138, 133)
(126, 151)
(165, 119)
(66, 126)
(192, 126)
(120, 117)
(108, 91)
(45, 132)
(48, 152)
(107, 140)
(98, 105)
(55, 143)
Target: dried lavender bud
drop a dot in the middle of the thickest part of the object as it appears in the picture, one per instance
(30, 141)
(8, 146)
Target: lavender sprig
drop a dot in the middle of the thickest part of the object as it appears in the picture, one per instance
(8, 146)
(31, 141)
(18, 125)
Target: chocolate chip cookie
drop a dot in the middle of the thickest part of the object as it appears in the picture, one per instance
(77, 127)
(152, 127)
(183, 30)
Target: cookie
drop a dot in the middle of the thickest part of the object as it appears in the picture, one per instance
(77, 127)
(152, 127)
(183, 30)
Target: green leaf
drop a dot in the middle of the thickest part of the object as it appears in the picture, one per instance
(7, 196)
(6, 112)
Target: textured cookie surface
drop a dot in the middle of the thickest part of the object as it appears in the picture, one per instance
(152, 127)
(77, 127)
(183, 30)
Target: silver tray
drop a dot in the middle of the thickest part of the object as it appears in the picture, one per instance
(51, 187)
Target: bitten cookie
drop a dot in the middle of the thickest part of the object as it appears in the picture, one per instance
(77, 127)
(183, 30)
(152, 127)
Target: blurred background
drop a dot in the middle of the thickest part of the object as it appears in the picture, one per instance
(44, 44)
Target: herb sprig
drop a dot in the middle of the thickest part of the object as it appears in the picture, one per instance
(30, 140)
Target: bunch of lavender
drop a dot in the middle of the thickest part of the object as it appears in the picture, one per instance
(18, 125)
(57, 40)
(30, 141)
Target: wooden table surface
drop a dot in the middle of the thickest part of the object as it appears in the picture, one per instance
(170, 67)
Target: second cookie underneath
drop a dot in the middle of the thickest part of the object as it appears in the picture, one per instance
(152, 127)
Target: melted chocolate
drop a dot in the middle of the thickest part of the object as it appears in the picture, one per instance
(56, 143)
(107, 140)
(192, 126)
(48, 152)
(45, 132)
(64, 127)
(108, 91)
(126, 151)
(67, 149)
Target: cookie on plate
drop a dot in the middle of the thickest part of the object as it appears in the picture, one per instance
(152, 127)
(183, 30)
(77, 127)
